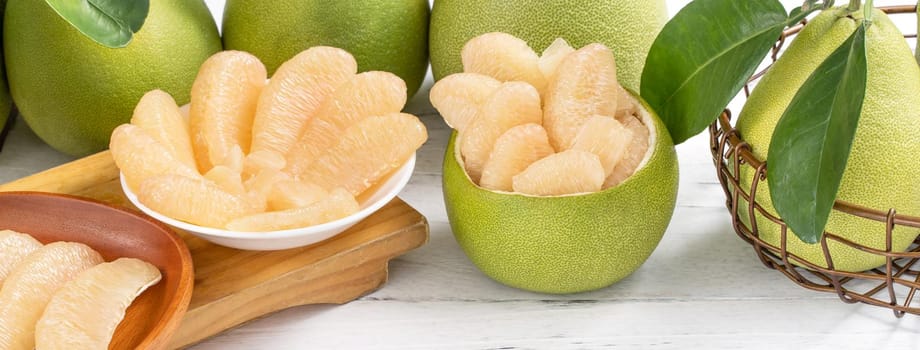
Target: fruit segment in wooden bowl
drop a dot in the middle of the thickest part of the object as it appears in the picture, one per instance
(557, 179)
(78, 274)
(273, 164)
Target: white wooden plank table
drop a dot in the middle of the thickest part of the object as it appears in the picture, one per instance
(703, 288)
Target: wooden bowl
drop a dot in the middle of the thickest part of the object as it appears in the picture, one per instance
(114, 232)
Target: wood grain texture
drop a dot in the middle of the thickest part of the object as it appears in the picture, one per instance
(234, 286)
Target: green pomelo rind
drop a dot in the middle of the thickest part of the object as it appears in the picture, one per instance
(882, 168)
(387, 36)
(628, 27)
(73, 91)
(564, 244)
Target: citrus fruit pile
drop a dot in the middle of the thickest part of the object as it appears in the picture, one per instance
(545, 125)
(63, 295)
(258, 155)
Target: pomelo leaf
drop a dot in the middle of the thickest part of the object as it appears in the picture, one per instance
(812, 141)
(704, 56)
(111, 23)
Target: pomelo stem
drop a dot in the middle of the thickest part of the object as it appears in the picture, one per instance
(854, 5)
(917, 49)
(869, 10)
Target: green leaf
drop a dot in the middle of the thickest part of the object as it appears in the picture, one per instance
(109, 22)
(812, 141)
(704, 56)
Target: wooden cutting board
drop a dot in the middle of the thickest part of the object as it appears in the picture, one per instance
(234, 286)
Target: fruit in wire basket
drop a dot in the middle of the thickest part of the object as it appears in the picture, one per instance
(271, 156)
(628, 27)
(882, 167)
(557, 218)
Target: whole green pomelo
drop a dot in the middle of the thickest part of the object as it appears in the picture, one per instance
(882, 169)
(628, 27)
(388, 35)
(73, 91)
(565, 244)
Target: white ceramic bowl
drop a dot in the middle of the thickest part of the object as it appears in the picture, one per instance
(293, 238)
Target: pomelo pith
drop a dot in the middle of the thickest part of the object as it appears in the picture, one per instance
(627, 26)
(388, 35)
(73, 91)
(565, 244)
(882, 168)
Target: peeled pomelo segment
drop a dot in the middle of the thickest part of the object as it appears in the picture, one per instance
(514, 151)
(367, 152)
(259, 187)
(84, 313)
(224, 98)
(568, 172)
(158, 114)
(14, 247)
(625, 105)
(339, 204)
(367, 94)
(227, 179)
(585, 84)
(503, 57)
(635, 152)
(30, 286)
(290, 194)
(513, 104)
(553, 56)
(294, 94)
(139, 156)
(257, 161)
(235, 159)
(458, 97)
(605, 137)
(196, 201)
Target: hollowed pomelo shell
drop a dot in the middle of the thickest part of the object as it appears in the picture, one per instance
(565, 244)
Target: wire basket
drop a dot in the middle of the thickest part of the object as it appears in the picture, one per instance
(892, 285)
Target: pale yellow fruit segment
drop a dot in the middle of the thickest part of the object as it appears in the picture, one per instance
(259, 187)
(196, 201)
(86, 310)
(568, 172)
(553, 56)
(227, 179)
(605, 137)
(503, 57)
(585, 84)
(513, 104)
(290, 194)
(625, 105)
(514, 151)
(635, 153)
(139, 156)
(367, 151)
(14, 247)
(31, 285)
(458, 97)
(224, 99)
(294, 94)
(368, 94)
(159, 116)
(257, 161)
(339, 204)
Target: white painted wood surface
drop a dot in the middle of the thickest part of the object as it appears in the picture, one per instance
(703, 288)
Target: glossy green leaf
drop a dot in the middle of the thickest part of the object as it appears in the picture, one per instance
(812, 141)
(109, 22)
(704, 56)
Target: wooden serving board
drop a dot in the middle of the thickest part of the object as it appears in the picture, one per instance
(234, 286)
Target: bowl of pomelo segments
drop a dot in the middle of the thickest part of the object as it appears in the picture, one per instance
(154, 316)
(370, 201)
(565, 244)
